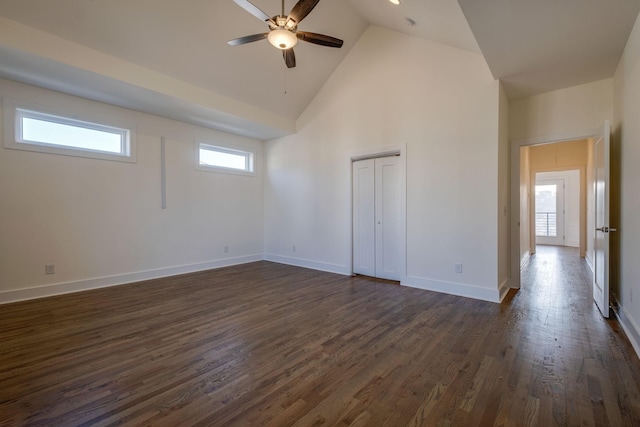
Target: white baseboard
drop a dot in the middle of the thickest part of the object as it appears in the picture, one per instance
(459, 289)
(525, 260)
(589, 262)
(307, 263)
(503, 289)
(121, 279)
(629, 326)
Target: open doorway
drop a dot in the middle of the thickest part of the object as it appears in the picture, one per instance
(594, 242)
(557, 208)
(562, 172)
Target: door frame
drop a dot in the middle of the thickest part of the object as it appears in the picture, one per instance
(370, 153)
(514, 182)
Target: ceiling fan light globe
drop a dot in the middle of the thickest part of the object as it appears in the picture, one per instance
(282, 39)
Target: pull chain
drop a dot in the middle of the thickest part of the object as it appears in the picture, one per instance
(285, 81)
(285, 70)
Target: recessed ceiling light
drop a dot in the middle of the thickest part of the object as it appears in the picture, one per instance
(394, 1)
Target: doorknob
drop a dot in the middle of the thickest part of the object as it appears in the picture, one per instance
(606, 229)
(601, 229)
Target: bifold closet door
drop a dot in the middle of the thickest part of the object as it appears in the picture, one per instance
(387, 212)
(364, 235)
(376, 217)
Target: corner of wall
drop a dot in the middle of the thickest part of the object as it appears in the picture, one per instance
(458, 289)
(503, 208)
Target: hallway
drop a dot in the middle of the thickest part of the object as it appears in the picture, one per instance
(573, 354)
(556, 277)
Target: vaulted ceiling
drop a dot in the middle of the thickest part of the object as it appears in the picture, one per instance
(543, 45)
(171, 58)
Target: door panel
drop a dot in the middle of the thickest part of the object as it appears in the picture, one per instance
(364, 217)
(387, 189)
(601, 238)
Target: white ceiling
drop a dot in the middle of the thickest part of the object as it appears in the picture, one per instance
(438, 20)
(538, 46)
(534, 46)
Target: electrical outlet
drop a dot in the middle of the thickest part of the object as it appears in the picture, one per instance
(458, 268)
(293, 248)
(49, 269)
(226, 249)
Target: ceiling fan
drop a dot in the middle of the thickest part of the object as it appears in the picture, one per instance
(283, 29)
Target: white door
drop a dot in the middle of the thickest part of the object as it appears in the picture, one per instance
(364, 255)
(387, 217)
(601, 238)
(376, 217)
(549, 204)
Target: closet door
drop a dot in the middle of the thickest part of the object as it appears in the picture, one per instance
(376, 217)
(364, 257)
(387, 213)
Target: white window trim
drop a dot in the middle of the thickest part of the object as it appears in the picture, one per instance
(15, 111)
(250, 159)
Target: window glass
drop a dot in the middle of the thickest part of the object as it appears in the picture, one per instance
(222, 159)
(66, 135)
(33, 130)
(209, 157)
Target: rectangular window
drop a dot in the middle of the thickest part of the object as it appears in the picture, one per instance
(50, 133)
(221, 159)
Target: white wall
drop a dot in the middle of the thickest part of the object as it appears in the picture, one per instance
(503, 192)
(392, 89)
(626, 143)
(101, 223)
(562, 114)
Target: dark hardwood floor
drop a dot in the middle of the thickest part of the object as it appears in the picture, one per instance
(268, 344)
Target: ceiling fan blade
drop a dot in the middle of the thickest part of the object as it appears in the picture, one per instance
(289, 58)
(253, 9)
(247, 39)
(301, 10)
(320, 39)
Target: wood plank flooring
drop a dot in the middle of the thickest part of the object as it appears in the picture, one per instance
(269, 344)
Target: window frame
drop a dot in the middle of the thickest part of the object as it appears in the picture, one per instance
(250, 167)
(14, 113)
